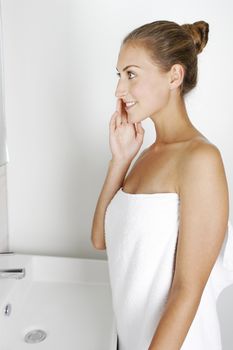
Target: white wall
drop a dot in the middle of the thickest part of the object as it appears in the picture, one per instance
(4, 157)
(60, 58)
(3, 211)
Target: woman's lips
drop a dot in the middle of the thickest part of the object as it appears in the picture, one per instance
(130, 106)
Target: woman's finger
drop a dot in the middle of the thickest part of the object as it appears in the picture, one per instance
(140, 129)
(112, 123)
(124, 120)
(118, 106)
(118, 120)
(123, 111)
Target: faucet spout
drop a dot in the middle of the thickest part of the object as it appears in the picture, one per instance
(12, 273)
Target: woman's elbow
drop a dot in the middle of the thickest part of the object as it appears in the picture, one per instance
(98, 245)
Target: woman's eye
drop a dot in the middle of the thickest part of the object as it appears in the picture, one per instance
(130, 73)
(118, 74)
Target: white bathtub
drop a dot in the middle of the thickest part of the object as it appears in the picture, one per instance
(68, 298)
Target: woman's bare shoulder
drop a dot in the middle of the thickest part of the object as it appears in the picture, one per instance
(200, 145)
(200, 152)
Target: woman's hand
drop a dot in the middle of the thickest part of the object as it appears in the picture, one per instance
(125, 138)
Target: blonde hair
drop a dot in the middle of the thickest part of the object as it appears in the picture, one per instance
(169, 43)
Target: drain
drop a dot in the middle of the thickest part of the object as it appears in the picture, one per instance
(7, 310)
(35, 336)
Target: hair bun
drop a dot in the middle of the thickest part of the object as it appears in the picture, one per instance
(199, 32)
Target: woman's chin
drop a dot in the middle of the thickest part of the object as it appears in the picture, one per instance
(131, 119)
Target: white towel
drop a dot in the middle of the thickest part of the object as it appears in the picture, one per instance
(141, 233)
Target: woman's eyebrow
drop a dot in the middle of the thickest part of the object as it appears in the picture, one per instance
(131, 65)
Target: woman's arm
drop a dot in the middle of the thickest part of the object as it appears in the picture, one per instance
(115, 176)
(176, 320)
(204, 210)
(125, 141)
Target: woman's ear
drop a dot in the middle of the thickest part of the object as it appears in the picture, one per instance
(176, 76)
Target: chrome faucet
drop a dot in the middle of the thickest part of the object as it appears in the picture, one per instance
(12, 273)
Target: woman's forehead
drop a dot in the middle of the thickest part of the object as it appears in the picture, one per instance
(130, 55)
(137, 56)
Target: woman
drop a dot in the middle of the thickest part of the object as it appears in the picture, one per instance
(165, 223)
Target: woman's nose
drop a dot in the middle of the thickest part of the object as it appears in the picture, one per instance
(120, 90)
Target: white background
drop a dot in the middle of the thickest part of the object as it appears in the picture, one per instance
(60, 79)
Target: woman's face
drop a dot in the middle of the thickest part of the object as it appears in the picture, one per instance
(144, 85)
